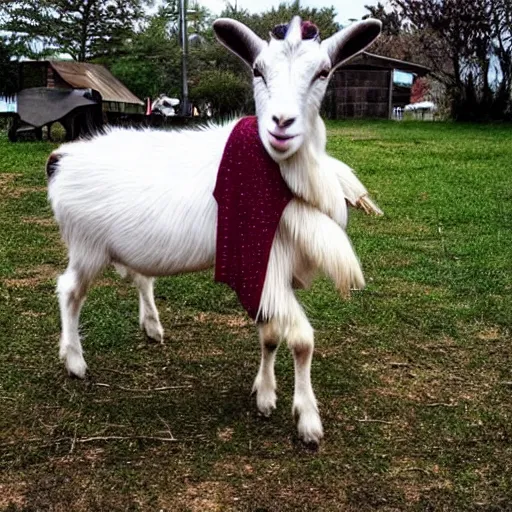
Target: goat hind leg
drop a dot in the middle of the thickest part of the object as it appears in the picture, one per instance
(265, 382)
(71, 288)
(149, 320)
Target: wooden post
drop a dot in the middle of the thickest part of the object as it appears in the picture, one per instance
(390, 105)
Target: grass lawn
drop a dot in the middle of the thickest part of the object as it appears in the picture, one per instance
(413, 374)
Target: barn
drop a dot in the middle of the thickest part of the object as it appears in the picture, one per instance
(365, 88)
(79, 96)
(116, 98)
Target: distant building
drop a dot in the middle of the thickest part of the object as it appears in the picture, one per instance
(116, 98)
(79, 96)
(365, 87)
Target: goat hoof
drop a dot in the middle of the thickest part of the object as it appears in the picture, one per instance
(309, 427)
(266, 407)
(154, 331)
(76, 366)
(265, 399)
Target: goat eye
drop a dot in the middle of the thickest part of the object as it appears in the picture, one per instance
(323, 74)
(257, 73)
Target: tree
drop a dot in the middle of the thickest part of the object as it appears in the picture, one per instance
(263, 22)
(150, 62)
(224, 91)
(81, 28)
(8, 75)
(391, 20)
(469, 46)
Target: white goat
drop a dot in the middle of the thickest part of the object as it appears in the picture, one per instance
(121, 199)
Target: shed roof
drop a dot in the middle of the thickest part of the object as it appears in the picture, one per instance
(371, 59)
(83, 75)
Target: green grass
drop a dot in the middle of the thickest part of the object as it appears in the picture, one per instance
(413, 374)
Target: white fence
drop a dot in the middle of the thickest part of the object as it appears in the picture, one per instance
(8, 104)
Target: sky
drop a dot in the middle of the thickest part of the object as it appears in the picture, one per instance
(346, 9)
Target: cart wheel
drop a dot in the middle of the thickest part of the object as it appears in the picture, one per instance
(12, 133)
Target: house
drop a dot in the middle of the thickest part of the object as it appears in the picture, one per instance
(365, 87)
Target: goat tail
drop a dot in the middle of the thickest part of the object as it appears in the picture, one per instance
(369, 207)
(342, 264)
(52, 164)
(354, 191)
(325, 243)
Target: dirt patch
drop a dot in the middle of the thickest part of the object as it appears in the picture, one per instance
(416, 480)
(7, 178)
(39, 221)
(92, 455)
(225, 434)
(107, 281)
(33, 314)
(490, 334)
(17, 192)
(224, 320)
(204, 497)
(32, 277)
(12, 494)
(236, 465)
(419, 383)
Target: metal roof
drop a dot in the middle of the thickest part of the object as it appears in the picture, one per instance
(371, 59)
(83, 75)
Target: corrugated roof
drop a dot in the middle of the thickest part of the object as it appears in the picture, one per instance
(83, 75)
(388, 62)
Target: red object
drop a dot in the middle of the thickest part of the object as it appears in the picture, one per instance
(251, 195)
(419, 90)
(148, 107)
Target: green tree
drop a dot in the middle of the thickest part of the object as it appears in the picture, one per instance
(469, 45)
(150, 63)
(224, 91)
(8, 74)
(391, 20)
(263, 22)
(81, 28)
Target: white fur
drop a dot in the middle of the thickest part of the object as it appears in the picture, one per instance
(143, 201)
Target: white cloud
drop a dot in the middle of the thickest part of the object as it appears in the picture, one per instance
(346, 9)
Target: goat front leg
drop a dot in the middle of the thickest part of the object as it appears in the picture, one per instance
(300, 339)
(265, 382)
(289, 322)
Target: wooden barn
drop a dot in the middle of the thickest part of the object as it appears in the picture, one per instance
(116, 98)
(364, 88)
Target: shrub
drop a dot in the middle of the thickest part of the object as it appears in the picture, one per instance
(226, 93)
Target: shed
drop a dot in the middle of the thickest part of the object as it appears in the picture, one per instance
(364, 87)
(116, 98)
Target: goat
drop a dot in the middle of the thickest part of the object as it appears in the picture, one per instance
(120, 199)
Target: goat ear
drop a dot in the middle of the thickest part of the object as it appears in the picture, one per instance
(238, 38)
(352, 40)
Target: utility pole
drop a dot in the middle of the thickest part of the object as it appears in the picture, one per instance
(184, 57)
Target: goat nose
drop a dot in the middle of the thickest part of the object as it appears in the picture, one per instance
(283, 121)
